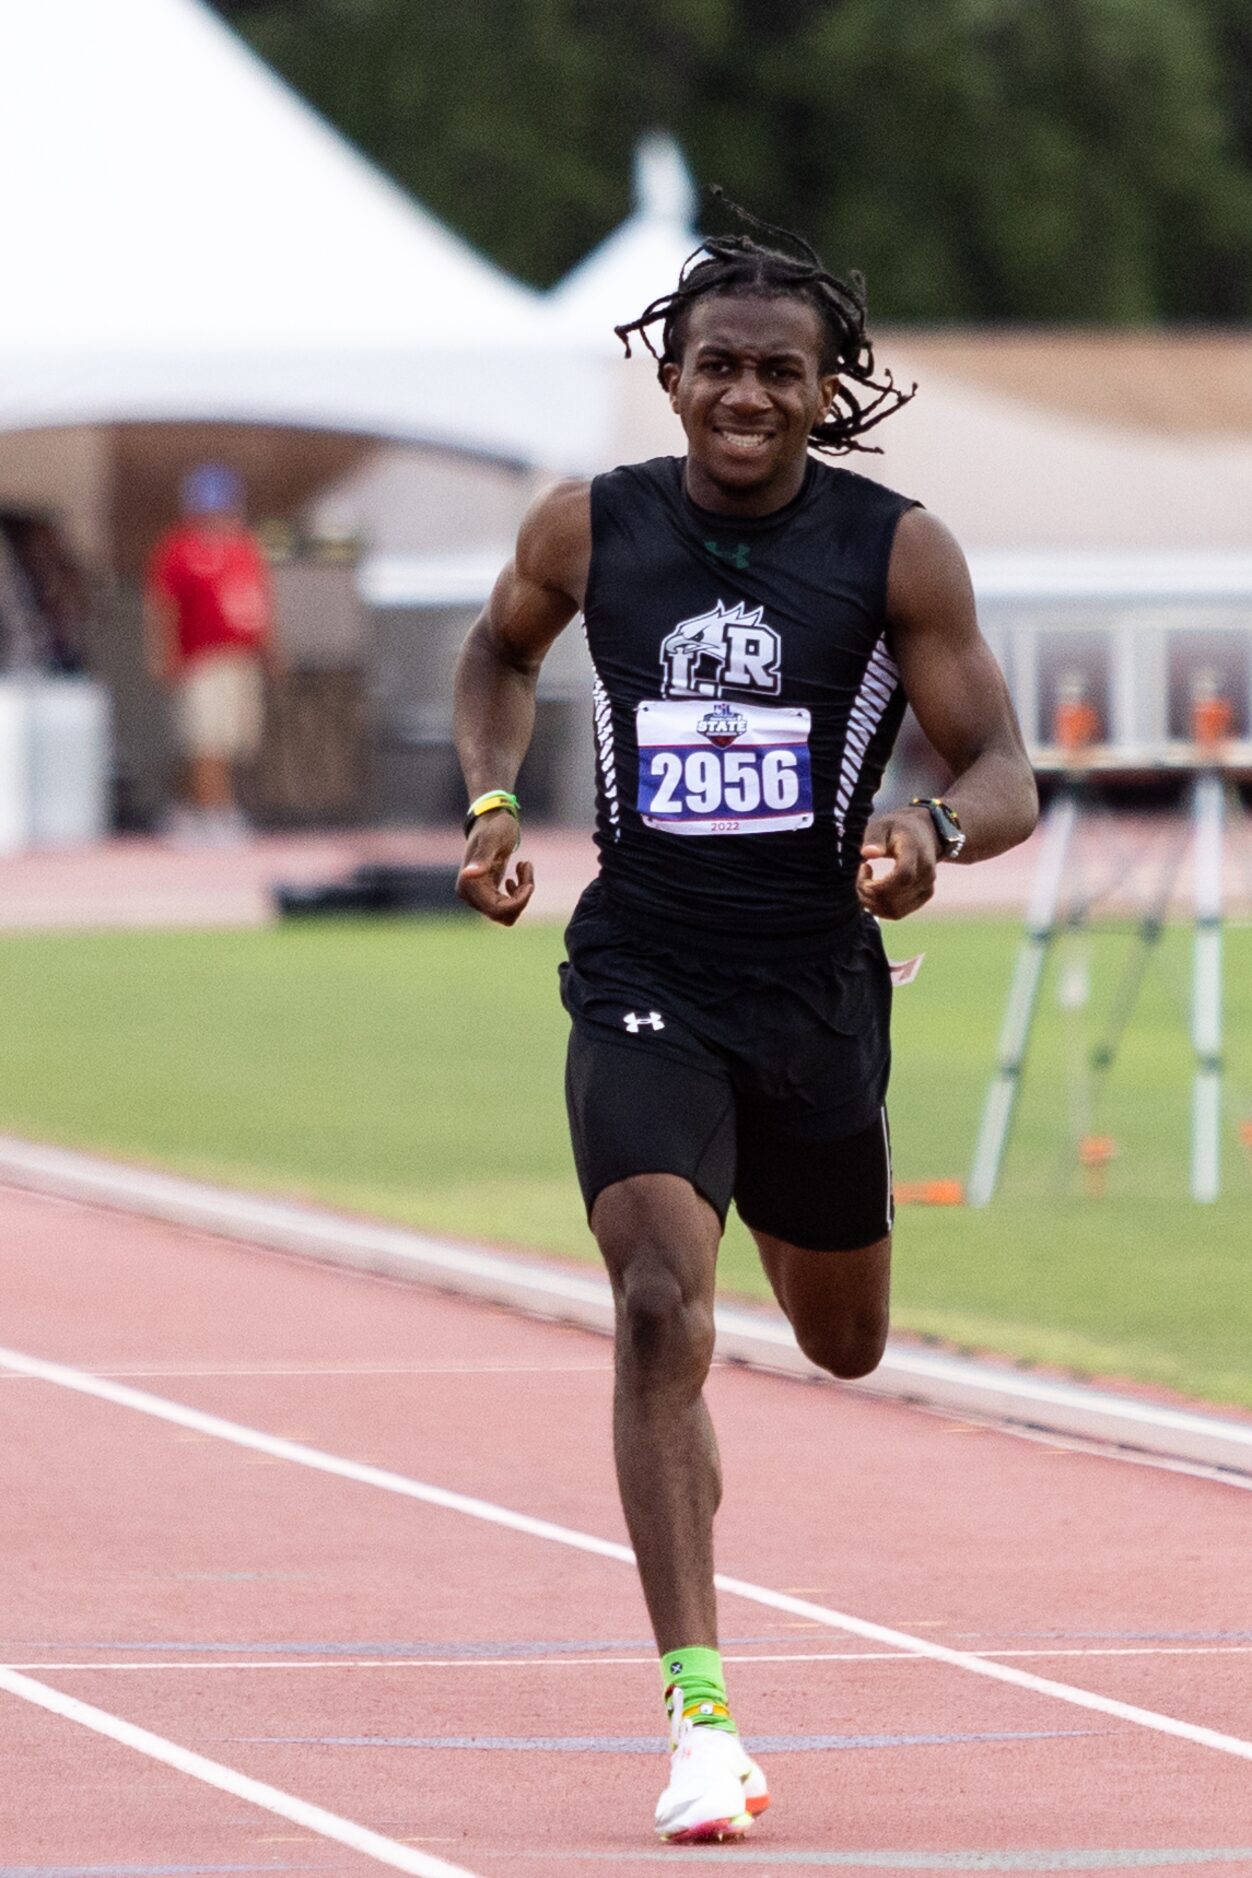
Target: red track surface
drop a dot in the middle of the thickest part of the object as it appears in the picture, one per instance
(132, 881)
(312, 1632)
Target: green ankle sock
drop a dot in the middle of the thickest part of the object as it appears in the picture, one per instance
(698, 1673)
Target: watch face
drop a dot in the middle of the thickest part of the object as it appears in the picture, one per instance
(948, 829)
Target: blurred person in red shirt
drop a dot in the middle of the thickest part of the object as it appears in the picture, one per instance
(210, 640)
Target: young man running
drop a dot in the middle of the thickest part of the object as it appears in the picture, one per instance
(757, 621)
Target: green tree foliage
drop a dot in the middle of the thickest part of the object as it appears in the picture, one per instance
(1050, 160)
(1046, 159)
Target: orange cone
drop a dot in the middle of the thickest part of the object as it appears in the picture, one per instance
(930, 1193)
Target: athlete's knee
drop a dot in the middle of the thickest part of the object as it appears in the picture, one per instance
(659, 1242)
(662, 1332)
(846, 1347)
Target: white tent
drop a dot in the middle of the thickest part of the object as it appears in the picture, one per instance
(431, 541)
(640, 260)
(183, 239)
(636, 264)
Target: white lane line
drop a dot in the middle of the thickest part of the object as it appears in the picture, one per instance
(192, 1372)
(279, 1448)
(591, 1662)
(227, 1780)
(493, 1515)
(951, 1384)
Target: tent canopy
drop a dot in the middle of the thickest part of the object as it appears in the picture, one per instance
(627, 414)
(640, 260)
(193, 242)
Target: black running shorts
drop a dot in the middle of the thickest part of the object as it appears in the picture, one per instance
(758, 1081)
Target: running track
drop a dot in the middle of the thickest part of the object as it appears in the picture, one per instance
(459, 1695)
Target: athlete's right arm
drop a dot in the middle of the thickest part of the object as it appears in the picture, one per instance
(534, 599)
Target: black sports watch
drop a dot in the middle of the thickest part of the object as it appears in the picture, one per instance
(947, 823)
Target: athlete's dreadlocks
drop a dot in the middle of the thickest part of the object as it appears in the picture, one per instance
(736, 264)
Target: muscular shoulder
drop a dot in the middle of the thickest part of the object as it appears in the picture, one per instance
(554, 542)
(928, 580)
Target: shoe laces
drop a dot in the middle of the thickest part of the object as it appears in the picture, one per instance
(674, 1696)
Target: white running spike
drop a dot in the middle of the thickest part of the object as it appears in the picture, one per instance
(715, 1789)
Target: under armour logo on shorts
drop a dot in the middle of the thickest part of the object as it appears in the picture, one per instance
(634, 1023)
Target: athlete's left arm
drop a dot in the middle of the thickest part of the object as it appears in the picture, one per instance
(962, 703)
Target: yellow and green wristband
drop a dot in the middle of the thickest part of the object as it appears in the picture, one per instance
(493, 799)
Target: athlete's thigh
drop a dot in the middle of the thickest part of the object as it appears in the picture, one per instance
(646, 1093)
(647, 1107)
(838, 1303)
(821, 1214)
(823, 1193)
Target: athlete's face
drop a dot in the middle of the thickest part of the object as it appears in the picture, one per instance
(749, 388)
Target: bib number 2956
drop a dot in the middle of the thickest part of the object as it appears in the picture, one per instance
(704, 782)
(730, 770)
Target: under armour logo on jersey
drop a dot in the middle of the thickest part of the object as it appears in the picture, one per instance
(728, 648)
(634, 1023)
(736, 557)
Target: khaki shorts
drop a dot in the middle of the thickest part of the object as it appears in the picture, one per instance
(219, 706)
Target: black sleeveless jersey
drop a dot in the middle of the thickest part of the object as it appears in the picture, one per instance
(746, 700)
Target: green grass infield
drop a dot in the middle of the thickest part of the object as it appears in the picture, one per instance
(413, 1070)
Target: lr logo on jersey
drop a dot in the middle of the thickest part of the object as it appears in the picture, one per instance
(728, 648)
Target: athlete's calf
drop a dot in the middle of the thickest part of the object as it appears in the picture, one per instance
(659, 1241)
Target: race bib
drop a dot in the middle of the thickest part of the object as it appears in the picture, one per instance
(723, 769)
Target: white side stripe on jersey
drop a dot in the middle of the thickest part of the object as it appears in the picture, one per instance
(876, 690)
(891, 1186)
(602, 712)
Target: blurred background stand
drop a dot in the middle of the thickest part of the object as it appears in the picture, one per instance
(1210, 765)
(55, 731)
(55, 762)
(314, 767)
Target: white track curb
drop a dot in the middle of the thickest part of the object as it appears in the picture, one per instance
(762, 1339)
